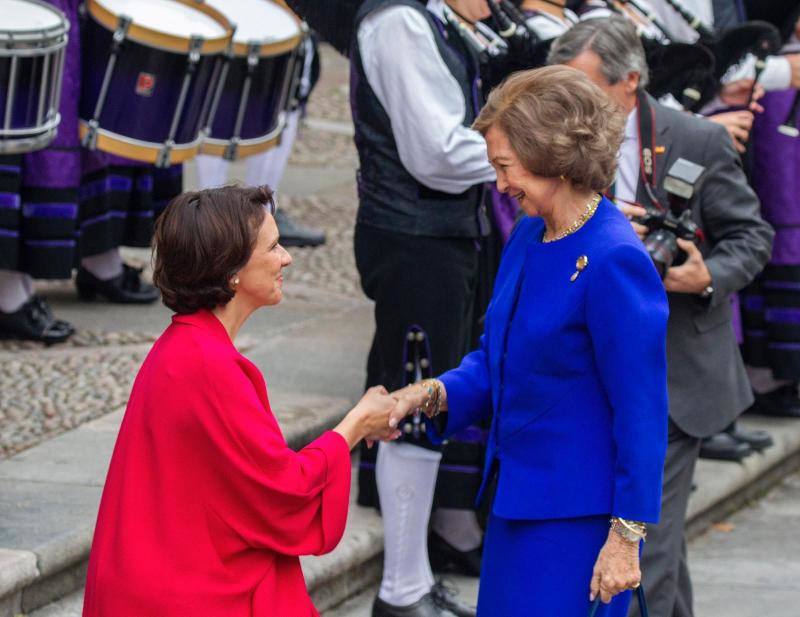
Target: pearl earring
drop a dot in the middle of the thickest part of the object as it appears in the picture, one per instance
(235, 281)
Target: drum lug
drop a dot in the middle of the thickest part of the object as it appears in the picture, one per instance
(195, 44)
(165, 154)
(231, 150)
(121, 32)
(89, 140)
(253, 55)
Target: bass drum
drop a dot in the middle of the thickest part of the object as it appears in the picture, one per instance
(148, 70)
(255, 78)
(33, 39)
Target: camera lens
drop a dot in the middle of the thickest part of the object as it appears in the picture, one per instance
(662, 247)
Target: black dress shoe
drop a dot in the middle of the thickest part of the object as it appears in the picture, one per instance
(444, 596)
(723, 447)
(782, 402)
(758, 440)
(34, 321)
(294, 234)
(125, 288)
(447, 558)
(424, 607)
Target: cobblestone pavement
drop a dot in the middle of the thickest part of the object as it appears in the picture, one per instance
(44, 392)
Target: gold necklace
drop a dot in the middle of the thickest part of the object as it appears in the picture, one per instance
(578, 223)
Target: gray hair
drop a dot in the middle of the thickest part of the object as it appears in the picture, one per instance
(613, 38)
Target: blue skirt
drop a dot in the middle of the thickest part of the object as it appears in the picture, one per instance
(543, 568)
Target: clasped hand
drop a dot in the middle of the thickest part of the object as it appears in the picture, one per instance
(378, 414)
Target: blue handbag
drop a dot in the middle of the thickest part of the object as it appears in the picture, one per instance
(639, 595)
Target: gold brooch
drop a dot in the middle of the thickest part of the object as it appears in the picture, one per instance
(581, 264)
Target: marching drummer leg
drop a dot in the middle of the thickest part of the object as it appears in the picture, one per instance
(104, 266)
(16, 288)
(268, 167)
(212, 171)
(406, 478)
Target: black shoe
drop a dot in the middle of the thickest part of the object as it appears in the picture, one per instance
(34, 321)
(723, 447)
(758, 440)
(294, 234)
(782, 402)
(424, 607)
(446, 558)
(125, 288)
(444, 596)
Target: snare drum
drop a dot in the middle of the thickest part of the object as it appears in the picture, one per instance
(147, 73)
(33, 39)
(247, 114)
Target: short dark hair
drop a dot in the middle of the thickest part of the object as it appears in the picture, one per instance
(202, 239)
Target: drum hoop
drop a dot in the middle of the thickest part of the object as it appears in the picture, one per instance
(253, 141)
(32, 51)
(145, 151)
(161, 40)
(31, 131)
(266, 50)
(22, 35)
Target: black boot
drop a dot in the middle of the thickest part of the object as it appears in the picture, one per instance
(444, 596)
(756, 439)
(34, 321)
(294, 234)
(125, 288)
(782, 402)
(424, 607)
(723, 447)
(446, 558)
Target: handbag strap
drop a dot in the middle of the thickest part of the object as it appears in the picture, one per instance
(640, 597)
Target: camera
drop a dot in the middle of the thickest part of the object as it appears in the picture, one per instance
(666, 225)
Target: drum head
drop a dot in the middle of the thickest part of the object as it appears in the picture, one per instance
(168, 17)
(22, 15)
(258, 20)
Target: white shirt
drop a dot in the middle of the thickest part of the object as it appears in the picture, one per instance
(627, 179)
(423, 100)
(547, 26)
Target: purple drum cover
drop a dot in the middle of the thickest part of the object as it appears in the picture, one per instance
(264, 102)
(144, 90)
(776, 176)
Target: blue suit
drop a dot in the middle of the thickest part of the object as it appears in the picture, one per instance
(573, 374)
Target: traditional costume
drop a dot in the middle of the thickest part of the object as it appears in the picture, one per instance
(420, 223)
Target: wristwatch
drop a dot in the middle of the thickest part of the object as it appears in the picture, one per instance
(630, 531)
(707, 292)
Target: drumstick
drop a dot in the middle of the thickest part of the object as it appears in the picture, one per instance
(789, 126)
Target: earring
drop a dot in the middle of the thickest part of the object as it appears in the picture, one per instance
(235, 281)
(563, 177)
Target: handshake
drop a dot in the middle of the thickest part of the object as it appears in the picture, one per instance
(379, 412)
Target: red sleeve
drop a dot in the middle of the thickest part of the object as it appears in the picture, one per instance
(262, 493)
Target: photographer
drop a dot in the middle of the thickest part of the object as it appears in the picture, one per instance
(708, 386)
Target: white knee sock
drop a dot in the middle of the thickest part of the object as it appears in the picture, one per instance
(212, 171)
(268, 167)
(104, 266)
(16, 288)
(406, 477)
(459, 528)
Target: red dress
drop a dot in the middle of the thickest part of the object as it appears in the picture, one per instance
(206, 509)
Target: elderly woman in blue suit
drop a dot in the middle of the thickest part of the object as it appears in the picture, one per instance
(571, 367)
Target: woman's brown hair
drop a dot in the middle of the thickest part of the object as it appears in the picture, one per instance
(202, 239)
(559, 124)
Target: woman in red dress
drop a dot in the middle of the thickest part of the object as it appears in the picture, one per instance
(206, 509)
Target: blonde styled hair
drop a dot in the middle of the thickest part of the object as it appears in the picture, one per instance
(559, 124)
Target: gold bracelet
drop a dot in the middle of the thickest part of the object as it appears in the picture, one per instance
(433, 405)
(632, 531)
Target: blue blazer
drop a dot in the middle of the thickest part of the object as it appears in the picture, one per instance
(573, 374)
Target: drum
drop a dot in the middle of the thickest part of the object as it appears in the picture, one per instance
(33, 40)
(247, 114)
(148, 70)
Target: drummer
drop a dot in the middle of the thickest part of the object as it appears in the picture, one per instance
(73, 208)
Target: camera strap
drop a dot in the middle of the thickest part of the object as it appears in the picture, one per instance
(647, 142)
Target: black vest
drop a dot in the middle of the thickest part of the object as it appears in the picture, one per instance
(389, 196)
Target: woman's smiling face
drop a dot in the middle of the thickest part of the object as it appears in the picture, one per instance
(534, 193)
(261, 279)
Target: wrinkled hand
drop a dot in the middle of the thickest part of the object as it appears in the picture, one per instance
(616, 569)
(738, 125)
(631, 212)
(409, 400)
(691, 277)
(736, 93)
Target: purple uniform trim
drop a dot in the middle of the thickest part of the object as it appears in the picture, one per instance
(109, 184)
(7, 233)
(785, 346)
(51, 243)
(754, 303)
(10, 169)
(783, 285)
(461, 468)
(783, 315)
(10, 201)
(50, 210)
